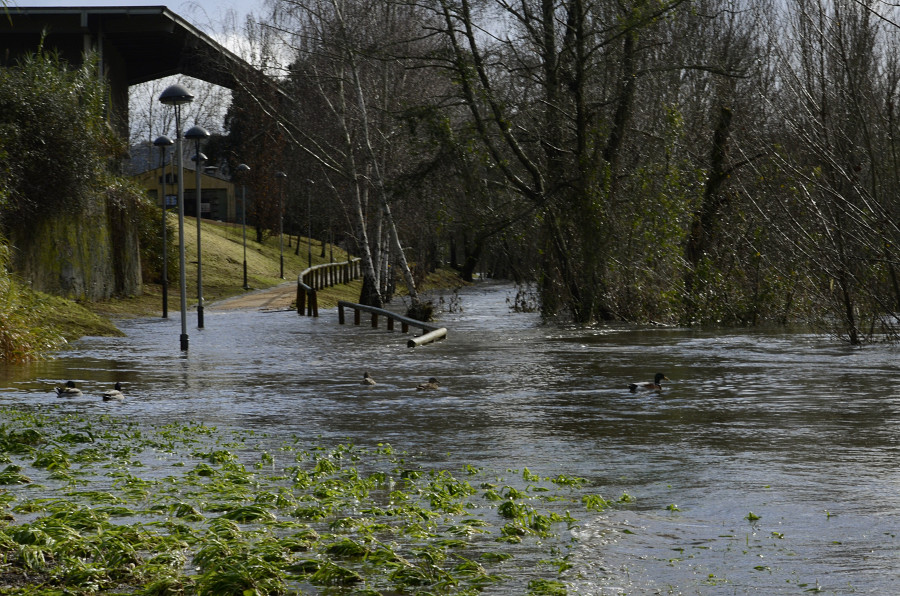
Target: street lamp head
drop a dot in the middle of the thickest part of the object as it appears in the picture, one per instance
(243, 168)
(163, 141)
(175, 95)
(196, 133)
(202, 157)
(281, 175)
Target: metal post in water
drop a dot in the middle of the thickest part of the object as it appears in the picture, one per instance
(163, 142)
(197, 133)
(176, 96)
(243, 169)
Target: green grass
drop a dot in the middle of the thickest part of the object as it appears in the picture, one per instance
(34, 324)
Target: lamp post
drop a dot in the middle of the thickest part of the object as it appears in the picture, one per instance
(196, 133)
(243, 169)
(163, 142)
(281, 177)
(177, 96)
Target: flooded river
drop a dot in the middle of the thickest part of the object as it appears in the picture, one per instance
(766, 466)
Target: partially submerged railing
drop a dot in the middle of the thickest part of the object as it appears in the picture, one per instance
(322, 276)
(430, 332)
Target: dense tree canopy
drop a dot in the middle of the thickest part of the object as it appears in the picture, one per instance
(727, 162)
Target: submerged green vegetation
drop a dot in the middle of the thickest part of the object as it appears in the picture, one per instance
(103, 505)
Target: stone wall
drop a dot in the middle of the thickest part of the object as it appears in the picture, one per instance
(89, 256)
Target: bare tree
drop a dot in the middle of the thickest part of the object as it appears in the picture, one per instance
(351, 78)
(150, 119)
(839, 75)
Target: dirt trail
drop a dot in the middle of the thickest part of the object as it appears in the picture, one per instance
(279, 297)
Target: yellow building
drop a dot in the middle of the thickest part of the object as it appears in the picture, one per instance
(217, 194)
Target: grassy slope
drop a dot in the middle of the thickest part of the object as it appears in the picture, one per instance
(222, 254)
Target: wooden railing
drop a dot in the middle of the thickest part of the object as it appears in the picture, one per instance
(430, 332)
(322, 276)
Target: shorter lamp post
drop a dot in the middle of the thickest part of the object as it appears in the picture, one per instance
(243, 169)
(197, 133)
(177, 96)
(281, 177)
(163, 142)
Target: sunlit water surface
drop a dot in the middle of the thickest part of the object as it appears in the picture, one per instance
(799, 430)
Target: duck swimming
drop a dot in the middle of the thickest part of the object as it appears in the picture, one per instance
(69, 390)
(429, 385)
(368, 380)
(654, 386)
(114, 394)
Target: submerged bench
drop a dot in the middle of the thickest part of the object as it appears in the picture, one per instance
(430, 332)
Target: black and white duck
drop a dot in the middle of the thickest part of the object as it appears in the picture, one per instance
(429, 385)
(68, 390)
(656, 385)
(114, 394)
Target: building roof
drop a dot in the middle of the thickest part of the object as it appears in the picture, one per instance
(150, 42)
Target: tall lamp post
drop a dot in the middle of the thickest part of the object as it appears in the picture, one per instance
(281, 177)
(197, 133)
(243, 169)
(163, 142)
(177, 96)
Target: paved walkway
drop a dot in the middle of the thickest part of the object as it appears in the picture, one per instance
(279, 297)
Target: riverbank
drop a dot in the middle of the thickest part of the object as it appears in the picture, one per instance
(51, 321)
(34, 324)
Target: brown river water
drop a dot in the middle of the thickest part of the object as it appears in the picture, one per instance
(799, 430)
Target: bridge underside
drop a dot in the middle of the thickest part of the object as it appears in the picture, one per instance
(133, 44)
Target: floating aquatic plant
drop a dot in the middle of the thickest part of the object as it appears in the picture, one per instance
(12, 474)
(187, 509)
(595, 502)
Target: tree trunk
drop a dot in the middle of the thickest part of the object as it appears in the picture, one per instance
(454, 264)
(401, 256)
(467, 271)
(704, 216)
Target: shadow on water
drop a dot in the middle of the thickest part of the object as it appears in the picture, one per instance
(798, 430)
